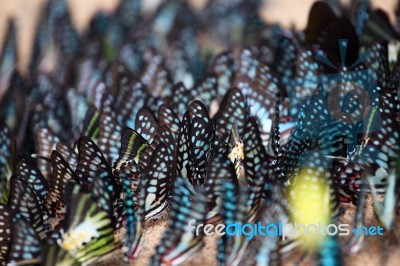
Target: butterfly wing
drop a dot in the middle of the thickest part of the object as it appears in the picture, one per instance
(178, 243)
(88, 231)
(25, 246)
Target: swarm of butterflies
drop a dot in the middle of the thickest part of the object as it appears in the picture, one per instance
(185, 115)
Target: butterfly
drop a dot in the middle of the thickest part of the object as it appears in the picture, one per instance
(156, 77)
(109, 131)
(133, 221)
(91, 123)
(131, 97)
(260, 89)
(220, 172)
(46, 142)
(224, 69)
(25, 245)
(146, 124)
(168, 117)
(6, 162)
(178, 243)
(156, 182)
(201, 137)
(233, 109)
(88, 230)
(5, 235)
(96, 177)
(62, 174)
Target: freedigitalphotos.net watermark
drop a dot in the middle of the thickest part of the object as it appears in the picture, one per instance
(281, 229)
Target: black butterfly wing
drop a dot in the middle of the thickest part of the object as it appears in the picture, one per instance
(157, 182)
(91, 123)
(24, 200)
(224, 68)
(62, 174)
(178, 244)
(168, 117)
(68, 154)
(232, 108)
(88, 231)
(5, 232)
(184, 164)
(25, 246)
(146, 124)
(132, 145)
(133, 221)
(129, 101)
(6, 163)
(201, 138)
(164, 136)
(97, 178)
(31, 176)
(220, 172)
(256, 160)
(46, 142)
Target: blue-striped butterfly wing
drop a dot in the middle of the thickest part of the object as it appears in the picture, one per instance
(179, 242)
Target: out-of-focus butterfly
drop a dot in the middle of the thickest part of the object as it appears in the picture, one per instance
(109, 131)
(5, 232)
(205, 91)
(28, 190)
(132, 220)
(224, 69)
(201, 136)
(25, 244)
(62, 174)
(88, 230)
(167, 116)
(232, 110)
(260, 89)
(156, 77)
(46, 142)
(131, 97)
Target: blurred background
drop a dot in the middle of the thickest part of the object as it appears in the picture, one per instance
(26, 14)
